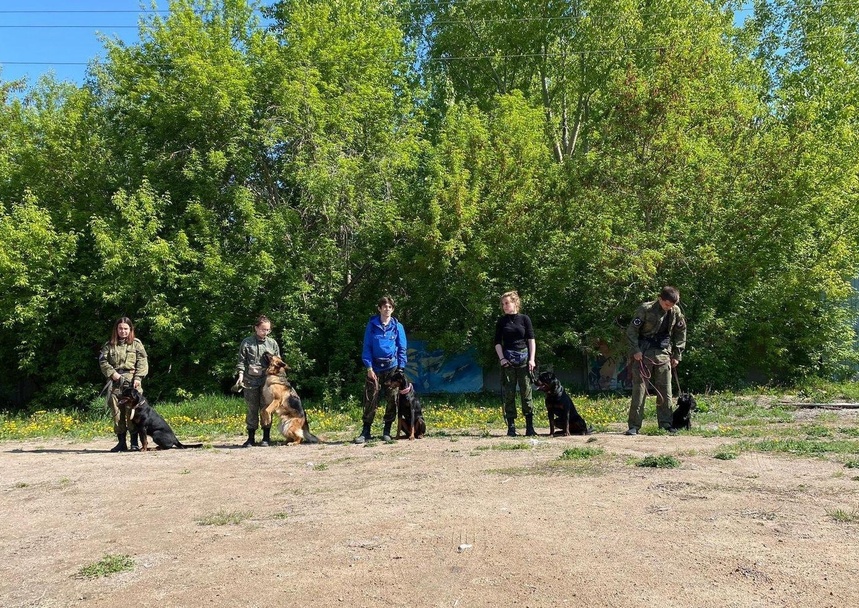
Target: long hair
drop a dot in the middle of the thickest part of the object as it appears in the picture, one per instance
(114, 336)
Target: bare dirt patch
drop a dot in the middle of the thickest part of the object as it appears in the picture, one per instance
(462, 521)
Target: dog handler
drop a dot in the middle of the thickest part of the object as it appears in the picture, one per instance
(657, 338)
(384, 352)
(124, 363)
(516, 348)
(251, 372)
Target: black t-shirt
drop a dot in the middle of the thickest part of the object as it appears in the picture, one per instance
(513, 331)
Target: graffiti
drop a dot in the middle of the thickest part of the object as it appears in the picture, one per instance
(436, 372)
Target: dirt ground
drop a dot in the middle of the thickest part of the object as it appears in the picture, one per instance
(442, 521)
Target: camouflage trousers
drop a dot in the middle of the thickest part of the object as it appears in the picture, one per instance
(512, 376)
(373, 391)
(652, 372)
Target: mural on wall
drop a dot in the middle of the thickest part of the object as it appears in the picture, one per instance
(433, 371)
(608, 371)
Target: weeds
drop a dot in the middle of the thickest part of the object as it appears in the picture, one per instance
(844, 517)
(663, 461)
(107, 565)
(580, 453)
(223, 518)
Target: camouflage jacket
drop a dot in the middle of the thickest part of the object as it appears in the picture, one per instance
(251, 351)
(128, 360)
(643, 331)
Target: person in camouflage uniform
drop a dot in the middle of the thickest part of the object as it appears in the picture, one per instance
(251, 376)
(657, 338)
(123, 361)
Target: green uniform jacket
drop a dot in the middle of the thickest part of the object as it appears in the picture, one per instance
(128, 360)
(646, 323)
(251, 351)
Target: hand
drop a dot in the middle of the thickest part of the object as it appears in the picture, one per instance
(505, 363)
(674, 363)
(637, 356)
(115, 377)
(371, 375)
(531, 366)
(136, 384)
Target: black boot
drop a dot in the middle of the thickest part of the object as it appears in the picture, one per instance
(529, 425)
(386, 434)
(365, 434)
(134, 446)
(511, 427)
(250, 442)
(266, 436)
(122, 446)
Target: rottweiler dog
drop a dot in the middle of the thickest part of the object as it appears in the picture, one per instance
(563, 415)
(410, 416)
(150, 423)
(281, 399)
(682, 417)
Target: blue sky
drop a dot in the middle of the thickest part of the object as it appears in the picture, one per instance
(62, 36)
(39, 36)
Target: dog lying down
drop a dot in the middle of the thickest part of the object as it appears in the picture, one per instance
(150, 423)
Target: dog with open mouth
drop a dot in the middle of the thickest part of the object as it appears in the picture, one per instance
(280, 398)
(562, 413)
(149, 423)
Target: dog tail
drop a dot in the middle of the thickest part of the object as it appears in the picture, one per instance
(308, 436)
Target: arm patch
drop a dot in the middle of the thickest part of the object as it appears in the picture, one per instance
(636, 321)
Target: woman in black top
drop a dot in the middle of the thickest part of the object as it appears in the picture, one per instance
(516, 349)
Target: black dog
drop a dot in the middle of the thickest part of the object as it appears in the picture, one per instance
(559, 406)
(682, 417)
(150, 422)
(410, 416)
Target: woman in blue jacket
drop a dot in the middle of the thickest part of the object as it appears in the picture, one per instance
(384, 353)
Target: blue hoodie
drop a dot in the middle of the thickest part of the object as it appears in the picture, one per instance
(384, 348)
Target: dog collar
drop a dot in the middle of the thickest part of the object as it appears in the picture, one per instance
(406, 390)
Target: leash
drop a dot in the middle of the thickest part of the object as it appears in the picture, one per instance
(647, 374)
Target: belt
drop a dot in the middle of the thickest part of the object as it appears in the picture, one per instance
(124, 371)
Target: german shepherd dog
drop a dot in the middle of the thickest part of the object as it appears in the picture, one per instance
(559, 407)
(281, 399)
(682, 417)
(149, 422)
(410, 416)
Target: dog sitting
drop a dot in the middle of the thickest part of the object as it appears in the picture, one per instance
(682, 417)
(562, 414)
(150, 423)
(410, 416)
(281, 399)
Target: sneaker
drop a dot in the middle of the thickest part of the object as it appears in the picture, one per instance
(631, 431)
(360, 439)
(263, 444)
(386, 438)
(670, 430)
(248, 444)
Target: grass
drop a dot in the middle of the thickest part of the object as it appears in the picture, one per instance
(843, 516)
(580, 453)
(725, 454)
(224, 518)
(757, 421)
(107, 565)
(663, 461)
